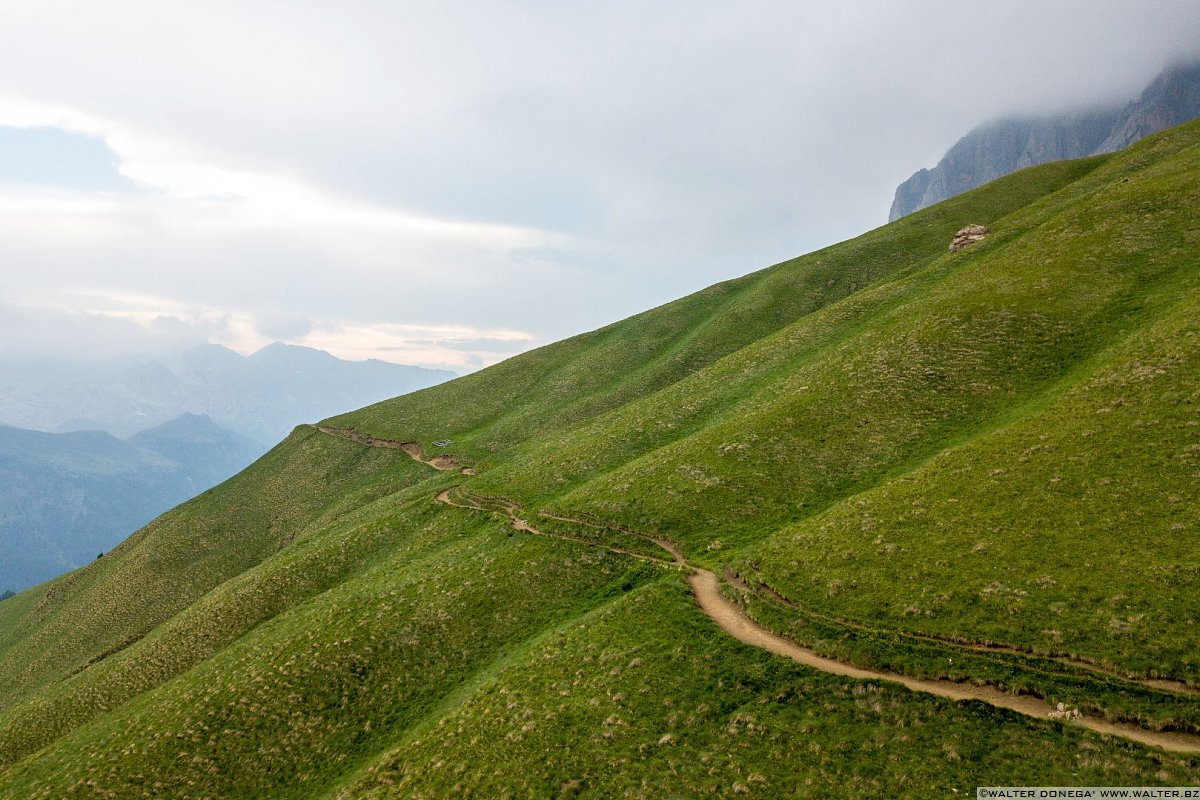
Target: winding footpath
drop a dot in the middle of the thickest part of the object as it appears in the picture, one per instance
(732, 619)
(415, 451)
(522, 525)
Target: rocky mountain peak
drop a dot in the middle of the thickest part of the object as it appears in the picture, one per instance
(995, 149)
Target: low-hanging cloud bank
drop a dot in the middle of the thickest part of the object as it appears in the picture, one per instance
(403, 180)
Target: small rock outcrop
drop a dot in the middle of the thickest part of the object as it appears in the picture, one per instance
(968, 235)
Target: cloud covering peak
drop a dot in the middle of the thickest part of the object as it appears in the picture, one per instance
(401, 179)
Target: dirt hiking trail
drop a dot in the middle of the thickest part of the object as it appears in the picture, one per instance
(762, 588)
(414, 449)
(522, 525)
(732, 619)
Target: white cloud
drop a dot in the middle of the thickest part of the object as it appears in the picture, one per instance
(225, 196)
(95, 255)
(511, 166)
(457, 347)
(145, 325)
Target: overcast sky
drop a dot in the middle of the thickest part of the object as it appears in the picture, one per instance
(447, 183)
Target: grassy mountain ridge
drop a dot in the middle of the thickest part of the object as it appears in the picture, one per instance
(890, 436)
(587, 374)
(182, 555)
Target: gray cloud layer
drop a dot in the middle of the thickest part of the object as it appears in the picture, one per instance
(641, 150)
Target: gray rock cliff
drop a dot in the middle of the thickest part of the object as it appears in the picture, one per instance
(998, 148)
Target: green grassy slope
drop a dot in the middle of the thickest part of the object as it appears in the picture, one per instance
(914, 450)
(865, 389)
(564, 383)
(83, 617)
(662, 704)
(1101, 559)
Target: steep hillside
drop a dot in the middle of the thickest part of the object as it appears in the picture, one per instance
(938, 475)
(1004, 146)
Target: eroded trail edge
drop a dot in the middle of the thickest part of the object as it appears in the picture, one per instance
(414, 449)
(731, 618)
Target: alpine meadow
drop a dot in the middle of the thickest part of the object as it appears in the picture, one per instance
(885, 520)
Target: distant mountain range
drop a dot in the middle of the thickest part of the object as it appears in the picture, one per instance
(66, 497)
(261, 396)
(1007, 145)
